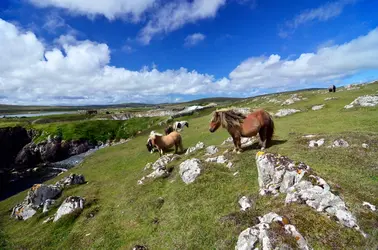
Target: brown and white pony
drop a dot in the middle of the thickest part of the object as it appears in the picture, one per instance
(238, 125)
(164, 142)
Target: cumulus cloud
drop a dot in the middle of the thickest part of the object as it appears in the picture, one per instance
(322, 13)
(175, 15)
(194, 39)
(111, 9)
(326, 64)
(79, 72)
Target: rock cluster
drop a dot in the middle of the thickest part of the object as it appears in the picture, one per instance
(199, 145)
(280, 174)
(245, 203)
(285, 112)
(294, 98)
(158, 167)
(340, 143)
(364, 101)
(42, 195)
(245, 141)
(314, 143)
(262, 233)
(210, 150)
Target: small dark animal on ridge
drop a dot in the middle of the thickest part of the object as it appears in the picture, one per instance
(332, 88)
(239, 125)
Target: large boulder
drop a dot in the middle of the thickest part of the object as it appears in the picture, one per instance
(279, 174)
(190, 170)
(210, 150)
(264, 234)
(69, 205)
(364, 101)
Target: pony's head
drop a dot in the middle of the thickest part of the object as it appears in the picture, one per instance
(227, 118)
(215, 122)
(149, 145)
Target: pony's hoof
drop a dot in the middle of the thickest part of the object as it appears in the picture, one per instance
(234, 151)
(262, 148)
(238, 152)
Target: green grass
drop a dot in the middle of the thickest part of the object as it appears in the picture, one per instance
(205, 214)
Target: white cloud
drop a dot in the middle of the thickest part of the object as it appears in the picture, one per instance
(78, 72)
(111, 9)
(327, 64)
(194, 39)
(322, 13)
(174, 15)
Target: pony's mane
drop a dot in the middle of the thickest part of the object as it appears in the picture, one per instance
(153, 135)
(229, 118)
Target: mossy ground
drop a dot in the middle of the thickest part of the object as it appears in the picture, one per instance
(205, 214)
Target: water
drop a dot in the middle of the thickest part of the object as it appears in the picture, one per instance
(39, 114)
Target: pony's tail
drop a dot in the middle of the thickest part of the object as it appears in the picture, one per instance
(270, 130)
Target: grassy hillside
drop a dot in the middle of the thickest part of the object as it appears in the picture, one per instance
(205, 214)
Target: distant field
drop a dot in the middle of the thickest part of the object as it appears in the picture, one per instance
(193, 216)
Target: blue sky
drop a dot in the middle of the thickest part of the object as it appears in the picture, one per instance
(115, 51)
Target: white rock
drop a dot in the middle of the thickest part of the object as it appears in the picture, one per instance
(23, 212)
(69, 205)
(317, 107)
(47, 205)
(164, 160)
(309, 136)
(318, 143)
(340, 143)
(294, 98)
(228, 140)
(219, 159)
(190, 170)
(229, 165)
(285, 112)
(364, 101)
(236, 173)
(245, 203)
(365, 145)
(199, 145)
(370, 206)
(48, 219)
(72, 179)
(330, 98)
(210, 150)
(245, 141)
(159, 172)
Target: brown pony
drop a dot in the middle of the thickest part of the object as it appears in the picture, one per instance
(168, 130)
(239, 125)
(164, 142)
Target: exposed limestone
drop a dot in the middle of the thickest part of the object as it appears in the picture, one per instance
(368, 205)
(352, 87)
(330, 98)
(47, 205)
(262, 233)
(164, 160)
(285, 112)
(364, 101)
(294, 98)
(199, 145)
(159, 172)
(340, 143)
(23, 211)
(69, 205)
(365, 145)
(190, 170)
(159, 167)
(280, 174)
(317, 107)
(314, 144)
(245, 203)
(245, 141)
(72, 179)
(309, 136)
(210, 150)
(219, 159)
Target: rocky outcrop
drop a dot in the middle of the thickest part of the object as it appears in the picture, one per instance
(190, 169)
(221, 159)
(285, 112)
(318, 107)
(199, 145)
(294, 98)
(12, 140)
(279, 174)
(370, 206)
(264, 234)
(315, 144)
(42, 196)
(210, 150)
(245, 141)
(364, 101)
(70, 205)
(159, 168)
(51, 151)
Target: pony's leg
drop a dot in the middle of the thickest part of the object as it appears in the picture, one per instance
(176, 146)
(238, 141)
(263, 136)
